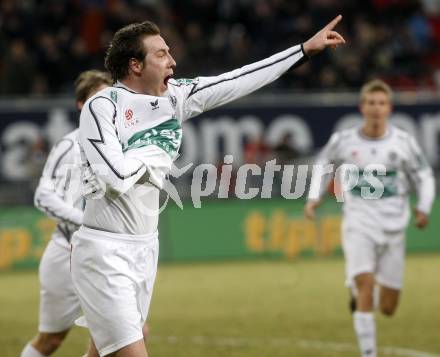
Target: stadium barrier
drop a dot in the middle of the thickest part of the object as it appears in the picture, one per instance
(219, 230)
(307, 120)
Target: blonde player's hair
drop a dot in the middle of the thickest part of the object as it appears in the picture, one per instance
(88, 81)
(376, 85)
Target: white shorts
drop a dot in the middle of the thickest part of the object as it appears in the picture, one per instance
(59, 304)
(114, 275)
(364, 254)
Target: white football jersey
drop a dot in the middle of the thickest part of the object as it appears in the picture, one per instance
(387, 168)
(58, 193)
(131, 139)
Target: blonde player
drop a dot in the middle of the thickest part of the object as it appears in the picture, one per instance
(376, 208)
(131, 134)
(58, 195)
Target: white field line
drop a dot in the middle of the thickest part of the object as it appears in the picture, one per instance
(387, 351)
(286, 342)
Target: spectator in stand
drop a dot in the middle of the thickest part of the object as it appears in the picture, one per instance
(397, 40)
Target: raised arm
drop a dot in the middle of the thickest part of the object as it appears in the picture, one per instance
(205, 93)
(55, 175)
(103, 150)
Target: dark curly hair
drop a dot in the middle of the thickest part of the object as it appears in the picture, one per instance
(127, 44)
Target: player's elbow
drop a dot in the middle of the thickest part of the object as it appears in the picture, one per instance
(39, 198)
(118, 187)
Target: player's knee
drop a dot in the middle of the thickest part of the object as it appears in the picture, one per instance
(145, 332)
(365, 283)
(49, 342)
(388, 309)
(365, 291)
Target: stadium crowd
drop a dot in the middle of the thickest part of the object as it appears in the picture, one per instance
(45, 43)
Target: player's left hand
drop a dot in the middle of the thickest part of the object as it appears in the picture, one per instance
(324, 38)
(422, 219)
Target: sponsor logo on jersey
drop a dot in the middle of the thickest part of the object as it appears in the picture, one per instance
(128, 114)
(130, 120)
(155, 104)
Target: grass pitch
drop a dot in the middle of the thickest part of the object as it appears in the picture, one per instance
(248, 309)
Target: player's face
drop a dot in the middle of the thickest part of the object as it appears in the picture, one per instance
(376, 107)
(158, 65)
(80, 104)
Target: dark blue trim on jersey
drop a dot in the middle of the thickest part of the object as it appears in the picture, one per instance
(301, 61)
(68, 178)
(177, 84)
(304, 52)
(101, 140)
(67, 235)
(51, 213)
(128, 90)
(62, 155)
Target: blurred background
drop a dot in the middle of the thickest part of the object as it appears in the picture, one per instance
(45, 44)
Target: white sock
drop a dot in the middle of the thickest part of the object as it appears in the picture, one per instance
(365, 328)
(354, 291)
(30, 351)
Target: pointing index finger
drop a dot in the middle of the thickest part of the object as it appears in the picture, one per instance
(331, 25)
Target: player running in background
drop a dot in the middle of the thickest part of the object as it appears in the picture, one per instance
(58, 195)
(373, 229)
(131, 134)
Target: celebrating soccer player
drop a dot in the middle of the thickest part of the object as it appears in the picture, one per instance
(376, 207)
(131, 134)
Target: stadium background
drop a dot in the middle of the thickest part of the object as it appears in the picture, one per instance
(45, 44)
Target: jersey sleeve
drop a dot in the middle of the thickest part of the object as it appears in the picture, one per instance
(320, 174)
(205, 93)
(422, 177)
(53, 183)
(100, 142)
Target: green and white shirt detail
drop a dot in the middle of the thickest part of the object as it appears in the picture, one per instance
(131, 139)
(390, 166)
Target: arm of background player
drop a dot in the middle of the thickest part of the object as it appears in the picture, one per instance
(206, 93)
(323, 169)
(101, 145)
(56, 173)
(422, 176)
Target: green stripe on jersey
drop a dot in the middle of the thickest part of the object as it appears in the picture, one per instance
(388, 181)
(167, 136)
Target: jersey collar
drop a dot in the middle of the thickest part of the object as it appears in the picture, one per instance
(123, 86)
(368, 138)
